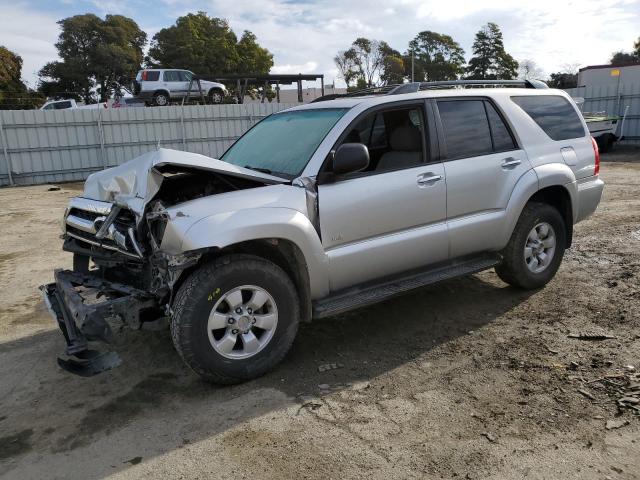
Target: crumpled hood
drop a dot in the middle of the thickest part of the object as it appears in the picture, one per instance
(135, 182)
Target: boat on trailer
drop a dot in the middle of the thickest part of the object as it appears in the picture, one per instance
(603, 127)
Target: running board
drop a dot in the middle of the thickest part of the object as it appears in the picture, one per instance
(363, 296)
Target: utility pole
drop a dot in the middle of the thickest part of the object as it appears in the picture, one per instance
(412, 76)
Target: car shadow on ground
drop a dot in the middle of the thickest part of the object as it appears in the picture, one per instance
(47, 412)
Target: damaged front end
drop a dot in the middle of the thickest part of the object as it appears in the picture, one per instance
(118, 226)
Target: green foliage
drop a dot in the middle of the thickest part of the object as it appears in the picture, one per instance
(14, 94)
(436, 57)
(10, 70)
(624, 58)
(207, 46)
(563, 80)
(369, 62)
(95, 53)
(490, 61)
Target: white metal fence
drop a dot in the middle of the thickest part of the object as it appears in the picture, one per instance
(66, 145)
(613, 99)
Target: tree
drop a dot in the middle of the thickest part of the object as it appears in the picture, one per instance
(252, 57)
(435, 57)
(567, 77)
(10, 70)
(393, 70)
(95, 53)
(636, 48)
(529, 70)
(563, 80)
(624, 58)
(369, 63)
(345, 61)
(207, 46)
(490, 61)
(13, 92)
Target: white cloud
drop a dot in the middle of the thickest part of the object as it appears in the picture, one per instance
(306, 36)
(308, 67)
(550, 32)
(31, 35)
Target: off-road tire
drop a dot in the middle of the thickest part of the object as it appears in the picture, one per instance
(197, 296)
(513, 268)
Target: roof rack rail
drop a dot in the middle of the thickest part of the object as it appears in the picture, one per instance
(483, 84)
(414, 87)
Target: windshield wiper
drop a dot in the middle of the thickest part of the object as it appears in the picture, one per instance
(259, 169)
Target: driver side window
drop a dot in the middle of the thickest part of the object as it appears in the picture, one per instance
(395, 138)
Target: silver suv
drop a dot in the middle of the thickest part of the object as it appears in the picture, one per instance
(318, 210)
(160, 86)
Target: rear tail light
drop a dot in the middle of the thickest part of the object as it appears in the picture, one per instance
(596, 151)
(144, 75)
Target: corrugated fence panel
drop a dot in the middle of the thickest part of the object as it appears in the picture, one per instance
(613, 100)
(67, 145)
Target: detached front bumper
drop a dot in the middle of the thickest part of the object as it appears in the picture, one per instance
(81, 304)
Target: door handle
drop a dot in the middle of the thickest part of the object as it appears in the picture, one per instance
(510, 162)
(427, 179)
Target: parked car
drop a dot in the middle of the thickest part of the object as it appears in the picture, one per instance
(320, 209)
(68, 104)
(160, 86)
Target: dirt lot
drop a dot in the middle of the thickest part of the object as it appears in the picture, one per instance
(466, 379)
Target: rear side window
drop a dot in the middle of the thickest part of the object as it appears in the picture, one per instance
(150, 76)
(466, 128)
(554, 114)
(502, 139)
(171, 76)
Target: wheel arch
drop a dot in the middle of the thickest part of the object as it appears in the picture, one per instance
(280, 251)
(558, 197)
(552, 184)
(282, 235)
(162, 90)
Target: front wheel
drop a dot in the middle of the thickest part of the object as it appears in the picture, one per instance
(235, 318)
(535, 250)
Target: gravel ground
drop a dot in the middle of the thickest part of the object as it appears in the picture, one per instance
(465, 379)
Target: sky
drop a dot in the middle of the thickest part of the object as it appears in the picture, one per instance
(305, 35)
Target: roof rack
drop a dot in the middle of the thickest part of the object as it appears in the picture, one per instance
(414, 87)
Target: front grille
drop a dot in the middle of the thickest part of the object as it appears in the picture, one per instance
(85, 218)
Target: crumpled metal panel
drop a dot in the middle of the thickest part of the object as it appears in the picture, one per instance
(135, 182)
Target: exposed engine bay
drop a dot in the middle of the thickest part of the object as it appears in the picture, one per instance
(125, 247)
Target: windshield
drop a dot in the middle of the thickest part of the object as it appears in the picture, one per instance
(283, 143)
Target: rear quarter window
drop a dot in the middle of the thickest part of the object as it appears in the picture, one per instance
(554, 114)
(152, 76)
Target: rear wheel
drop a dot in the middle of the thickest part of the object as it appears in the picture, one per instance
(235, 318)
(216, 96)
(161, 99)
(535, 250)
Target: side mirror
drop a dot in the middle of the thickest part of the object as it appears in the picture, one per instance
(350, 157)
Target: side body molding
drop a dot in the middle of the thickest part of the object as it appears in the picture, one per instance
(224, 229)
